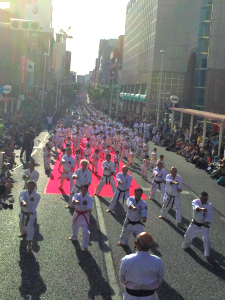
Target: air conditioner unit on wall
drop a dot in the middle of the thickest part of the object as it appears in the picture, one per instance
(20, 24)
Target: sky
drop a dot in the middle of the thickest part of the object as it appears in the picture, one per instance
(90, 21)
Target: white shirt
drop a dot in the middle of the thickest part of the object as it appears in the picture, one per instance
(141, 271)
(69, 163)
(31, 200)
(161, 172)
(83, 205)
(33, 176)
(201, 216)
(142, 209)
(171, 189)
(49, 120)
(83, 177)
(126, 181)
(109, 165)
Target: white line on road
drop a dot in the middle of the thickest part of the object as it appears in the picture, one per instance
(107, 254)
(38, 147)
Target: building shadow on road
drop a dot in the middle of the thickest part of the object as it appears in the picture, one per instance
(166, 292)
(212, 265)
(32, 284)
(98, 284)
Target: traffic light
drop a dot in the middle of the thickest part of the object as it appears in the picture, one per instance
(19, 24)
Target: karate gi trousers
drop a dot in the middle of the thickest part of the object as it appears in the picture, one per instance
(138, 152)
(106, 180)
(118, 195)
(129, 229)
(155, 186)
(192, 231)
(168, 202)
(125, 153)
(81, 219)
(67, 175)
(27, 225)
(117, 167)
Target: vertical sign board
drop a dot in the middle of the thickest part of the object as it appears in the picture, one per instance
(23, 73)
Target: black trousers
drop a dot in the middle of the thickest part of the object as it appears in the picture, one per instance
(49, 127)
(28, 150)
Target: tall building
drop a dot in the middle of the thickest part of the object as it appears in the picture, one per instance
(192, 35)
(102, 63)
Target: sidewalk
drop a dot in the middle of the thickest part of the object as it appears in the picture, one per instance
(195, 179)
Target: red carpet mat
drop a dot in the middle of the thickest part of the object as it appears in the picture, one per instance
(54, 180)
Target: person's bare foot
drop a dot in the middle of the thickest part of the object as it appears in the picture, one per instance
(160, 217)
(59, 187)
(118, 243)
(68, 206)
(108, 210)
(21, 234)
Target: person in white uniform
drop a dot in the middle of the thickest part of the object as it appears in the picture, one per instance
(29, 200)
(82, 176)
(137, 212)
(122, 192)
(159, 176)
(172, 195)
(141, 273)
(202, 214)
(108, 170)
(68, 165)
(81, 217)
(30, 174)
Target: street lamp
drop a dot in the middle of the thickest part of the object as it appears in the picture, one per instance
(43, 87)
(110, 107)
(160, 86)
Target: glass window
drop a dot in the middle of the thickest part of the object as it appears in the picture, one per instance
(203, 45)
(201, 61)
(204, 29)
(206, 13)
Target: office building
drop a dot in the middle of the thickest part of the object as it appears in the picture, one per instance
(192, 35)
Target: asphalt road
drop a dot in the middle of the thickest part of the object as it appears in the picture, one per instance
(57, 268)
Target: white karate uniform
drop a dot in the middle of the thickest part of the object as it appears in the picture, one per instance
(81, 218)
(144, 168)
(47, 160)
(172, 196)
(153, 160)
(67, 172)
(158, 183)
(77, 160)
(139, 142)
(33, 176)
(146, 131)
(107, 177)
(116, 142)
(87, 153)
(126, 147)
(194, 229)
(83, 178)
(121, 192)
(117, 163)
(95, 159)
(27, 223)
(133, 216)
(141, 271)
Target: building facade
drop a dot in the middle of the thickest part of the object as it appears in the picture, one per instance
(192, 35)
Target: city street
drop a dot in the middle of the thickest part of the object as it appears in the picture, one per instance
(58, 269)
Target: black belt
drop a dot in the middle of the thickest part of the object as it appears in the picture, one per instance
(140, 293)
(78, 188)
(86, 156)
(171, 198)
(159, 183)
(198, 224)
(133, 223)
(28, 217)
(116, 162)
(107, 176)
(121, 191)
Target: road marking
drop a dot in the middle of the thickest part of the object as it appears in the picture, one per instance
(185, 193)
(38, 147)
(107, 254)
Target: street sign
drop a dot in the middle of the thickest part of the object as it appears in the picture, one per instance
(7, 89)
(1, 89)
(174, 99)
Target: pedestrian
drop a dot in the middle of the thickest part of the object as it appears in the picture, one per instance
(131, 159)
(202, 214)
(137, 212)
(117, 161)
(122, 192)
(153, 160)
(82, 176)
(144, 168)
(81, 217)
(141, 273)
(49, 122)
(47, 159)
(30, 174)
(87, 152)
(29, 200)
(172, 195)
(108, 170)
(68, 163)
(159, 177)
(95, 159)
